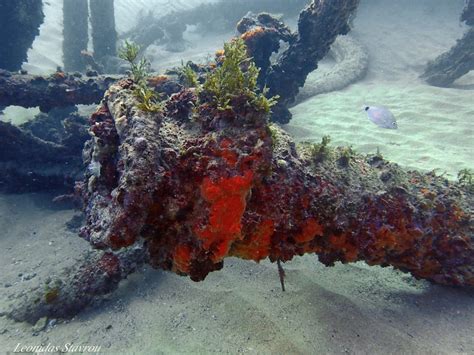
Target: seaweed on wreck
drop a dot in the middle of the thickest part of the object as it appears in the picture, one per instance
(320, 151)
(236, 75)
(466, 177)
(347, 154)
(188, 76)
(148, 99)
(129, 52)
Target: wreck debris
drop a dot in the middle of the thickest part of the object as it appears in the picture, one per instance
(65, 89)
(20, 21)
(318, 26)
(262, 34)
(95, 274)
(217, 17)
(62, 126)
(75, 34)
(197, 193)
(467, 15)
(46, 152)
(43, 154)
(449, 66)
(459, 60)
(56, 90)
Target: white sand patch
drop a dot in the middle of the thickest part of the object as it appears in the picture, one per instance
(18, 115)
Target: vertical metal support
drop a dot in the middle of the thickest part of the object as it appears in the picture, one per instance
(75, 33)
(104, 35)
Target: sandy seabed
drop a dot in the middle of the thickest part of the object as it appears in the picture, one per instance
(354, 308)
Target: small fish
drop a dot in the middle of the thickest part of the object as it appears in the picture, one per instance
(381, 116)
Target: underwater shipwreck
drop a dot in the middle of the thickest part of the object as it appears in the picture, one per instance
(182, 169)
